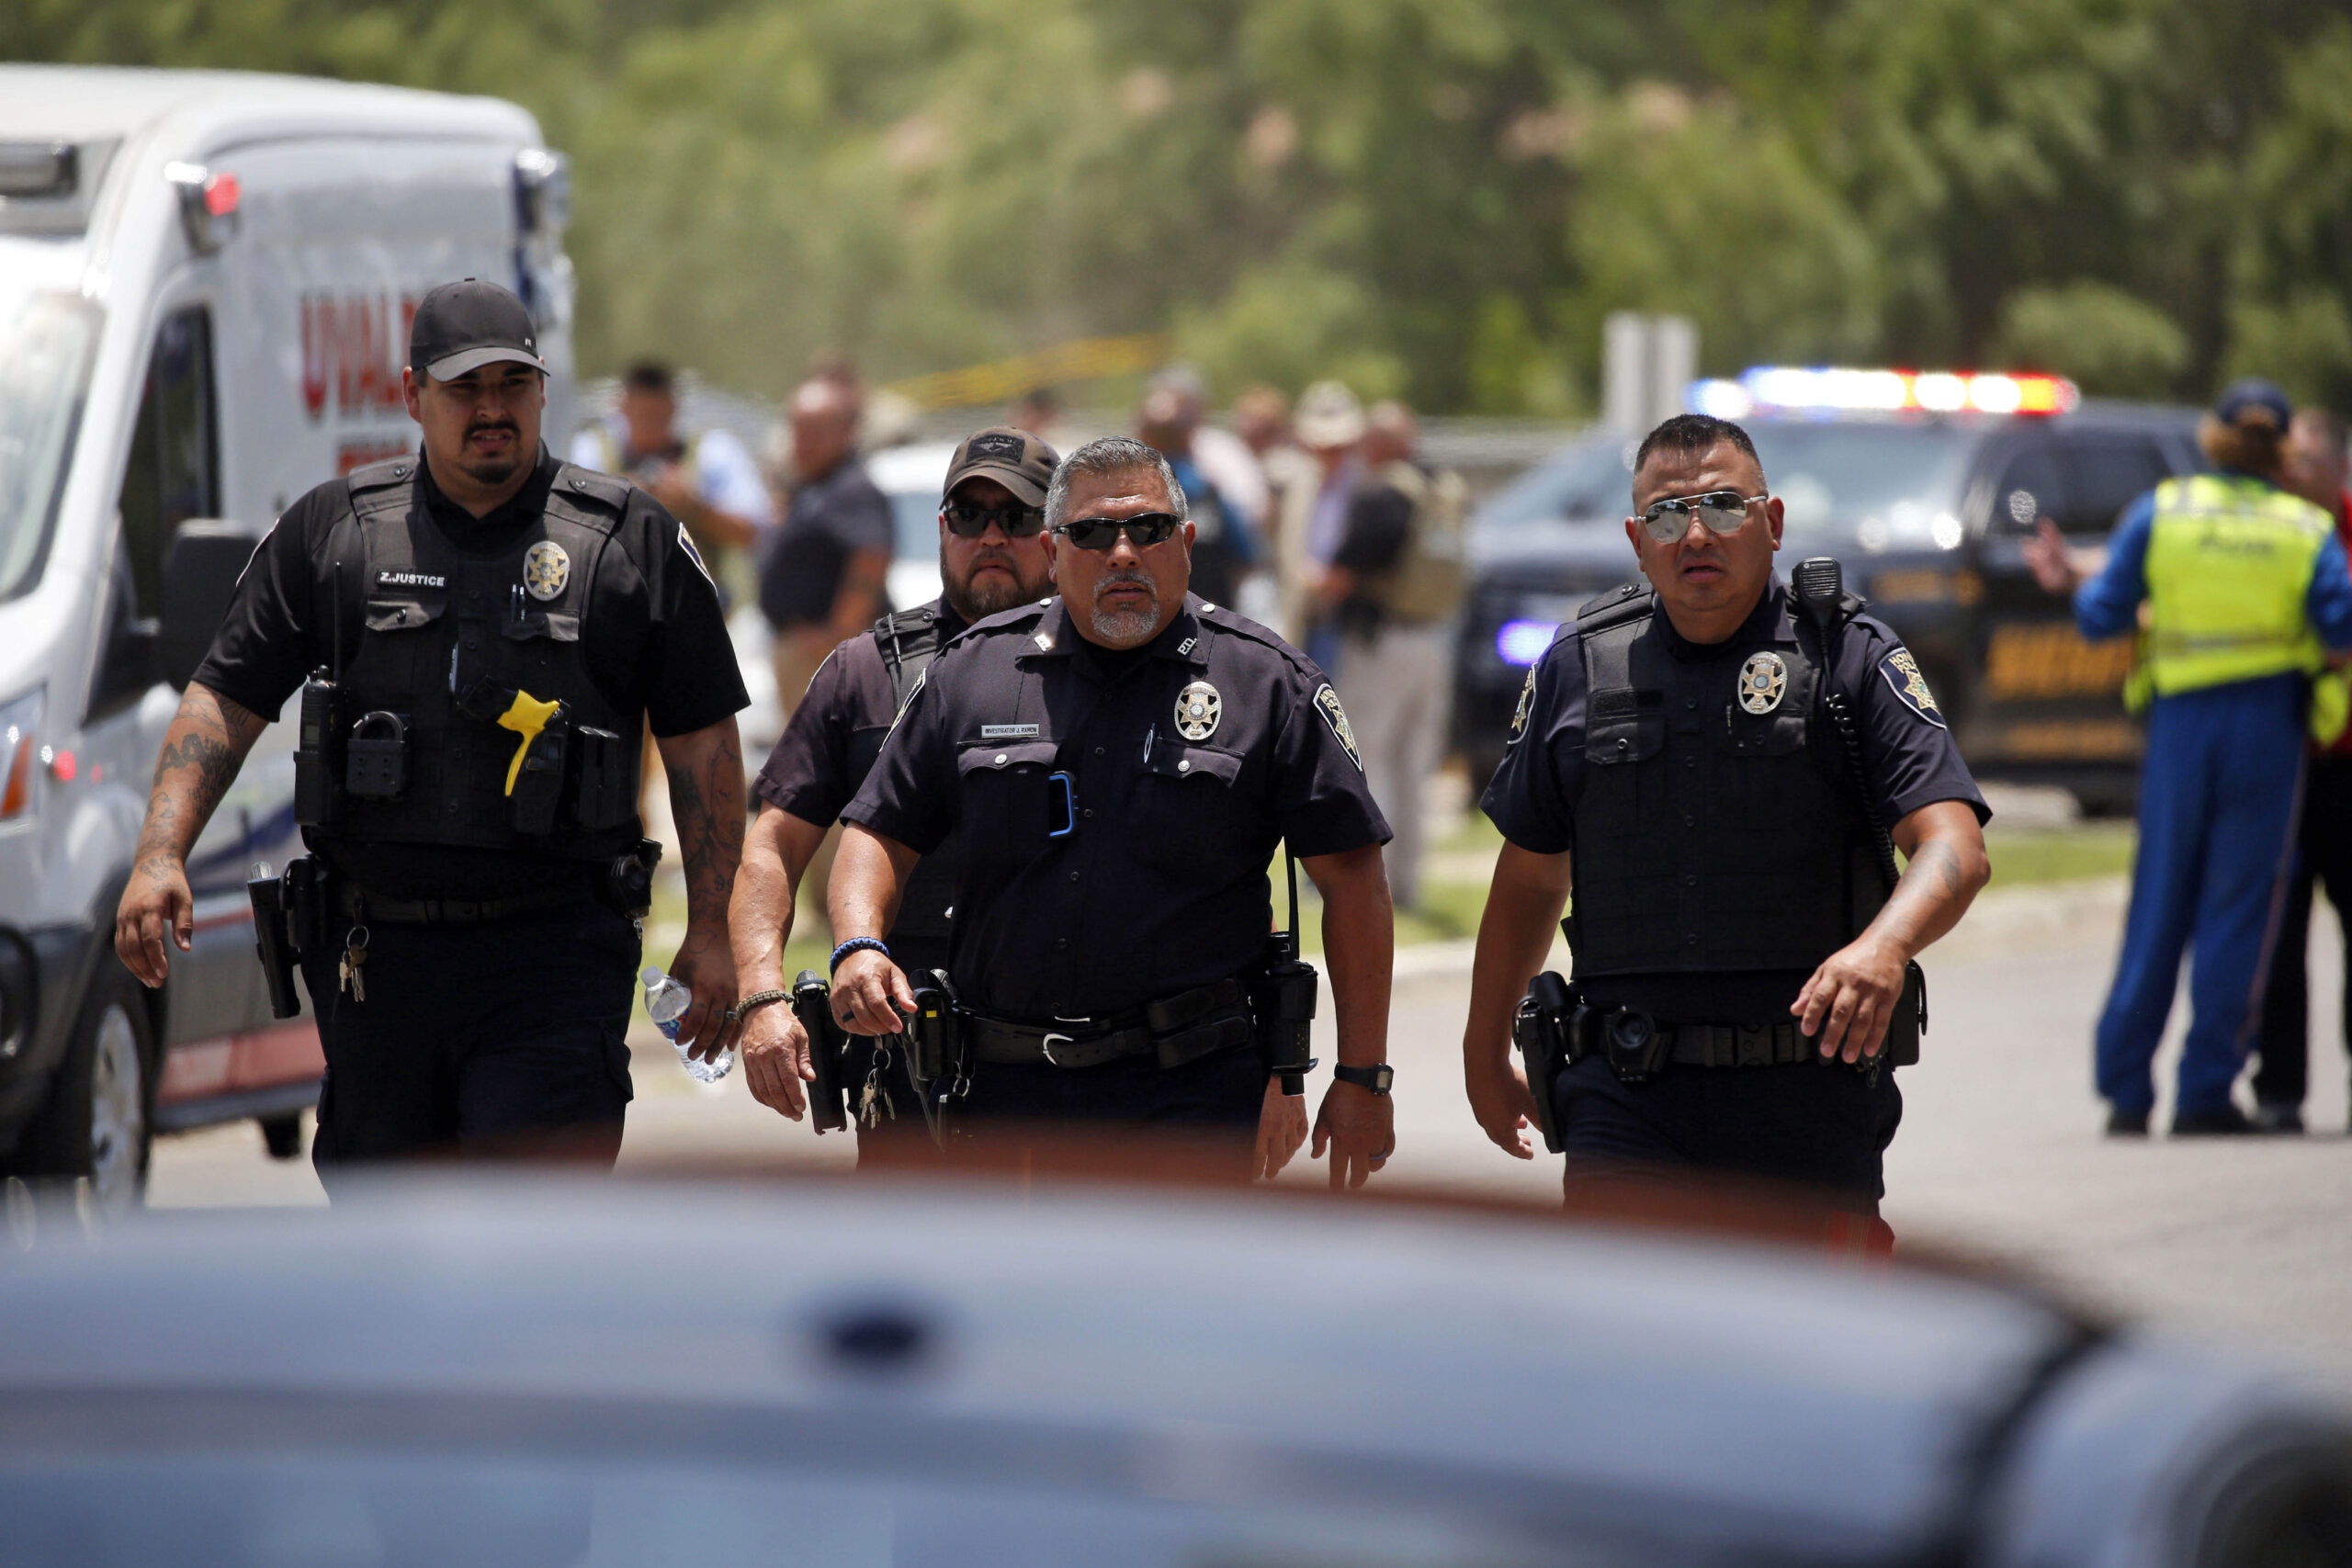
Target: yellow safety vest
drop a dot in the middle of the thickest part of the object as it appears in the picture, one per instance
(2228, 570)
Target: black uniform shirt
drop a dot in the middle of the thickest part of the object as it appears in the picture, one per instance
(1908, 756)
(1161, 882)
(659, 642)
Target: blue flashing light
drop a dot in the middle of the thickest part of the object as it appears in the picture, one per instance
(1523, 642)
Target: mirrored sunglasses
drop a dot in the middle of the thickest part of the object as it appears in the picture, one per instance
(1722, 511)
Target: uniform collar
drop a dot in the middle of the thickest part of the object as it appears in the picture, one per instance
(1180, 639)
(520, 507)
(1769, 622)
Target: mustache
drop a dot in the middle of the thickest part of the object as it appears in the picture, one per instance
(479, 425)
(1126, 579)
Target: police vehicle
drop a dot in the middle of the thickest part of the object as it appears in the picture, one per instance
(205, 281)
(972, 1373)
(1926, 488)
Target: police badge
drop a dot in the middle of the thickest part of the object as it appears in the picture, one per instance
(1198, 708)
(545, 569)
(1763, 680)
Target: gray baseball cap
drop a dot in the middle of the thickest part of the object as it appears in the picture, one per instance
(463, 326)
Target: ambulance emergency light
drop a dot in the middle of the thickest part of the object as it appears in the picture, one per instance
(1777, 389)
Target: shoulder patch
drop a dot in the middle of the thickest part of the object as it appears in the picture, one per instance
(1526, 706)
(1903, 677)
(686, 543)
(1327, 702)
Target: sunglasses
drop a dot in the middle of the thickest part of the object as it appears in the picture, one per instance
(1101, 533)
(967, 521)
(1722, 511)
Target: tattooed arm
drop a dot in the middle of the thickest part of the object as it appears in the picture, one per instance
(1851, 999)
(202, 751)
(705, 771)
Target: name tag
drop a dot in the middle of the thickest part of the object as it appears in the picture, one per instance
(1008, 732)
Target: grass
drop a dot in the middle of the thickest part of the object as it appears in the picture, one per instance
(2031, 856)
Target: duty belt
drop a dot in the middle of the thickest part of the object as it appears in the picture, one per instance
(356, 903)
(1179, 1029)
(1735, 1044)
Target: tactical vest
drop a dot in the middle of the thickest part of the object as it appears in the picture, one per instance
(2229, 566)
(452, 643)
(910, 640)
(1711, 835)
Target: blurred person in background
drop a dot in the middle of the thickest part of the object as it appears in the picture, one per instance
(1314, 515)
(2316, 468)
(709, 480)
(1168, 422)
(1262, 424)
(1742, 947)
(1039, 412)
(2245, 594)
(992, 556)
(1393, 588)
(822, 580)
(1228, 460)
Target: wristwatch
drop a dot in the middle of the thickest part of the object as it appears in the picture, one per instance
(1375, 1079)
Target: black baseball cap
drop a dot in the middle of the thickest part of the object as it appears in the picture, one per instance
(1014, 458)
(464, 326)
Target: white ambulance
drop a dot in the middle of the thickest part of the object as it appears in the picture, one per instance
(205, 281)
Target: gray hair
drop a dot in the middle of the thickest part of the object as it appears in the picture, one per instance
(1111, 454)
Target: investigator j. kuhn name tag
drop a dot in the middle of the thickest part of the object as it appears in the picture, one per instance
(1008, 732)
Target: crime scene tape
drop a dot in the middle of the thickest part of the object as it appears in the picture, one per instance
(1003, 379)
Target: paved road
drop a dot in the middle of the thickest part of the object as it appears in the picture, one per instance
(2000, 1152)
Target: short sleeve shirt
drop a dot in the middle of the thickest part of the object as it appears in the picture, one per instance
(1115, 814)
(659, 643)
(829, 747)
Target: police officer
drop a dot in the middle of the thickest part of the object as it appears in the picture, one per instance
(1678, 767)
(2246, 592)
(992, 557)
(1117, 765)
(486, 631)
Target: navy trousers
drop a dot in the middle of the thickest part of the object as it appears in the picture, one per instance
(2219, 796)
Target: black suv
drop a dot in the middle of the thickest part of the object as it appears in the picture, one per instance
(1926, 511)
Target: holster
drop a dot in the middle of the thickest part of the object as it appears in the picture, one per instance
(628, 879)
(1540, 1029)
(288, 918)
(812, 1003)
(1281, 1008)
(936, 1049)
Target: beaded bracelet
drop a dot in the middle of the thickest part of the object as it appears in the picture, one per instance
(852, 945)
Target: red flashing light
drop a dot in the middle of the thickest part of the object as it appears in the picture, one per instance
(63, 766)
(221, 195)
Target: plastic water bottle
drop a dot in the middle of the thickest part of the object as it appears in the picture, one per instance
(666, 1001)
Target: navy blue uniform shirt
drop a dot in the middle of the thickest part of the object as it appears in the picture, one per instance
(1160, 883)
(837, 731)
(1908, 754)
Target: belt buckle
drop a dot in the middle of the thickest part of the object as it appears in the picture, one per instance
(1046, 1045)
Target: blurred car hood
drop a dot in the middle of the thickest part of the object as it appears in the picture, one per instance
(1717, 1388)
